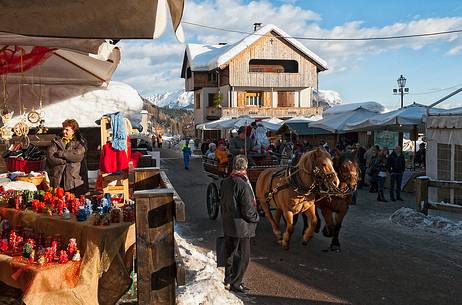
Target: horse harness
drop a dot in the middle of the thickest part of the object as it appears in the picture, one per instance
(293, 181)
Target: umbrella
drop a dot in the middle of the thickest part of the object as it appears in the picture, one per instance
(114, 19)
(337, 123)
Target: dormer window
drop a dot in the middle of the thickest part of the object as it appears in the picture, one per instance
(273, 66)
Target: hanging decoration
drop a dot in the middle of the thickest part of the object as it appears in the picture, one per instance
(14, 59)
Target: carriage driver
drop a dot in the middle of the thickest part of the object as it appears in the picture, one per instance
(240, 217)
(239, 144)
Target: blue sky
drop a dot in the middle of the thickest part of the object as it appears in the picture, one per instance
(358, 71)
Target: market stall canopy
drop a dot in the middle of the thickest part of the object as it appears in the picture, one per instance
(113, 19)
(272, 124)
(402, 119)
(93, 46)
(301, 126)
(52, 65)
(371, 106)
(337, 122)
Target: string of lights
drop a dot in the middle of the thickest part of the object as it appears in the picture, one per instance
(330, 39)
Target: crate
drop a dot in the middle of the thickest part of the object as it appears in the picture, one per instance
(21, 165)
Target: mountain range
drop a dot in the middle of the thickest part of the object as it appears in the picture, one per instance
(185, 100)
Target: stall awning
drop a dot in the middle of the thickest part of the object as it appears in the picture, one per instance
(303, 129)
(112, 19)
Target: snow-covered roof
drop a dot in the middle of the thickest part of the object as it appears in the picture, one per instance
(86, 104)
(371, 106)
(208, 57)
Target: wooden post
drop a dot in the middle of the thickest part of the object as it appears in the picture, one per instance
(155, 246)
(422, 194)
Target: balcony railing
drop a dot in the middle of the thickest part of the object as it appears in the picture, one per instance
(278, 112)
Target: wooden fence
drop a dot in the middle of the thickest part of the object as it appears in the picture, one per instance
(423, 204)
(158, 262)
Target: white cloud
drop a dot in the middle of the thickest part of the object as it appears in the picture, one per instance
(154, 66)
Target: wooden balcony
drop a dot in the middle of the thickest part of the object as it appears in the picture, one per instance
(278, 112)
(213, 113)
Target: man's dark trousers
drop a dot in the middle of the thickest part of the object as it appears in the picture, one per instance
(237, 251)
(395, 182)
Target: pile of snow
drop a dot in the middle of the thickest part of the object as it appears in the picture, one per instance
(412, 219)
(370, 106)
(326, 98)
(204, 281)
(177, 99)
(86, 104)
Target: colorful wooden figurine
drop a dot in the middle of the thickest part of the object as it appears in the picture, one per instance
(63, 258)
(76, 256)
(72, 247)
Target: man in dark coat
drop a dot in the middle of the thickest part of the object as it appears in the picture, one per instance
(240, 218)
(66, 160)
(396, 165)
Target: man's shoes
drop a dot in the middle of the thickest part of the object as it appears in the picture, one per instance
(392, 199)
(399, 199)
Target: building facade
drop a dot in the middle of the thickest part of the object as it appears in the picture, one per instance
(267, 74)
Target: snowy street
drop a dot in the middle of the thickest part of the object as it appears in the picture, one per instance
(382, 261)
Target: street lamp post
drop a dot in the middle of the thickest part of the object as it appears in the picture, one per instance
(402, 90)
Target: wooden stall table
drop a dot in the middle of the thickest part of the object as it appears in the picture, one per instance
(104, 268)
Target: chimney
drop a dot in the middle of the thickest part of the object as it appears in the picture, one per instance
(256, 26)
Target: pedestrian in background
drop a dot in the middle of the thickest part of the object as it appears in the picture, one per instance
(186, 155)
(382, 160)
(240, 218)
(372, 169)
(396, 166)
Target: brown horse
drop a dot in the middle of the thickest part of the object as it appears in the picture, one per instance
(348, 172)
(293, 191)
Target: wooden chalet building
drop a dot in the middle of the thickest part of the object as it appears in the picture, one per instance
(266, 74)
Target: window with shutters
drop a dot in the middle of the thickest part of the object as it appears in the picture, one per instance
(253, 98)
(197, 101)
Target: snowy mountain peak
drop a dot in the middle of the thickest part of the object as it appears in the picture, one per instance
(176, 99)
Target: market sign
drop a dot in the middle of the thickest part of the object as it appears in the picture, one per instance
(385, 138)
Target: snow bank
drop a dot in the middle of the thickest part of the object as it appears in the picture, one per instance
(204, 281)
(436, 224)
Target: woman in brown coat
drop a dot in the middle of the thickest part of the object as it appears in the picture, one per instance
(65, 156)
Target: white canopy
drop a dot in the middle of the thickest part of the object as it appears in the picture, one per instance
(337, 123)
(371, 106)
(272, 124)
(405, 118)
(72, 61)
(114, 19)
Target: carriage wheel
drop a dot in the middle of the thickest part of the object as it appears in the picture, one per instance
(212, 201)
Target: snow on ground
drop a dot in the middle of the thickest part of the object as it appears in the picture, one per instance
(436, 224)
(204, 281)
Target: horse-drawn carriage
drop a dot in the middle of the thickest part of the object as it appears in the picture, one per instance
(295, 189)
(217, 172)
